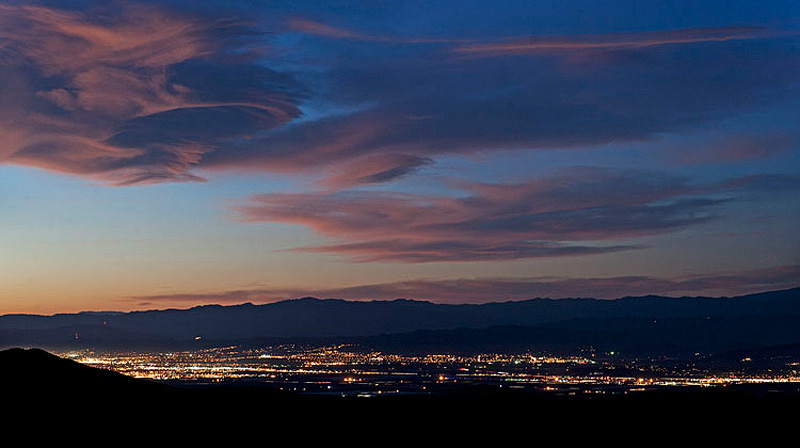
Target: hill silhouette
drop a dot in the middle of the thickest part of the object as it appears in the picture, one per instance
(33, 380)
(635, 323)
(35, 370)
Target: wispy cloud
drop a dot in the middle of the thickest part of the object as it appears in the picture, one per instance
(548, 217)
(614, 41)
(738, 147)
(481, 290)
(316, 28)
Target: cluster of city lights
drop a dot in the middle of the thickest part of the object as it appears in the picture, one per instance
(346, 365)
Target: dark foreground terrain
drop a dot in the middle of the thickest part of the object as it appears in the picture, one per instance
(39, 386)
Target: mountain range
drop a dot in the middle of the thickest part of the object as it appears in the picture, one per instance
(644, 323)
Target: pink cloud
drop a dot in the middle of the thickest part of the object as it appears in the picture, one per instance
(315, 28)
(60, 41)
(107, 97)
(306, 146)
(560, 216)
(605, 42)
(320, 29)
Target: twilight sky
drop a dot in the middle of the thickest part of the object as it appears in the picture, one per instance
(168, 154)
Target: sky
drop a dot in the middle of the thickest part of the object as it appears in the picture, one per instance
(173, 153)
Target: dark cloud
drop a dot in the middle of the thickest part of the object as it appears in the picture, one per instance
(418, 100)
(192, 124)
(373, 170)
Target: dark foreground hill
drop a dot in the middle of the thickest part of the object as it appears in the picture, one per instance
(633, 324)
(39, 387)
(37, 371)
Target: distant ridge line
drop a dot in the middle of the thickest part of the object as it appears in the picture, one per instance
(400, 300)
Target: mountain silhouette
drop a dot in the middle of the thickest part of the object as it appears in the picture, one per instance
(688, 323)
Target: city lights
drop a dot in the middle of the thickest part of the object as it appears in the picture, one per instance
(346, 369)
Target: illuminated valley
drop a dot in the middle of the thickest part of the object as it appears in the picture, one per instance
(348, 371)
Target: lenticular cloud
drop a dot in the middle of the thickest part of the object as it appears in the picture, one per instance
(134, 97)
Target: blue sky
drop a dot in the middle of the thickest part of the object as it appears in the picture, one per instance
(158, 154)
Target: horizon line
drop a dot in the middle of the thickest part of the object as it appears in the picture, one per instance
(398, 299)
